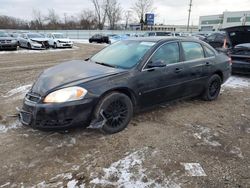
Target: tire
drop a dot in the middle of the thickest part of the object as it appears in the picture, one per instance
(212, 89)
(18, 43)
(29, 46)
(55, 45)
(117, 108)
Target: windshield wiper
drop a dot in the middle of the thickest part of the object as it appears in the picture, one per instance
(105, 64)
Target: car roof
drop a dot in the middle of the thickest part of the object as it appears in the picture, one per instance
(163, 39)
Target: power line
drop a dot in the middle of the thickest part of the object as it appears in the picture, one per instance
(189, 13)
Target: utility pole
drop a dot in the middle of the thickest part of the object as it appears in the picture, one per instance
(189, 13)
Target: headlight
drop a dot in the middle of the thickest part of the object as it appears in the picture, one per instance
(66, 95)
(13, 41)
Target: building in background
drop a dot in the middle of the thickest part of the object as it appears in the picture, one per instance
(221, 21)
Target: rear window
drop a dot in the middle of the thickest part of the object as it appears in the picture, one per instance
(192, 51)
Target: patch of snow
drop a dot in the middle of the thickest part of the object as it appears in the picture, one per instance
(72, 184)
(4, 185)
(204, 134)
(6, 128)
(237, 82)
(27, 51)
(193, 169)
(19, 90)
(237, 151)
(128, 172)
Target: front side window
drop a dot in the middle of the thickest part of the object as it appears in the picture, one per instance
(168, 53)
(192, 51)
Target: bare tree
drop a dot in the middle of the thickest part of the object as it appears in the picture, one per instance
(100, 11)
(113, 10)
(37, 19)
(53, 19)
(127, 16)
(87, 20)
(141, 7)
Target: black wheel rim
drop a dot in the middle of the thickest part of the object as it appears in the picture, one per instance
(116, 113)
(214, 88)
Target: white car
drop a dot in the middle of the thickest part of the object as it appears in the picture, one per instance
(32, 41)
(58, 40)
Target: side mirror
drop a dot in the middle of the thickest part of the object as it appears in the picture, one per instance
(155, 64)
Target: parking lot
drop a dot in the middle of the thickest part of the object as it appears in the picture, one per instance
(190, 143)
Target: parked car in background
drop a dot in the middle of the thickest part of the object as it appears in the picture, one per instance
(33, 41)
(58, 40)
(157, 33)
(7, 42)
(105, 90)
(216, 40)
(99, 38)
(239, 48)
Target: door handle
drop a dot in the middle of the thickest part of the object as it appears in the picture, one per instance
(208, 64)
(177, 70)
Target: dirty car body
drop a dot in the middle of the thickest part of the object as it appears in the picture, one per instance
(239, 48)
(141, 72)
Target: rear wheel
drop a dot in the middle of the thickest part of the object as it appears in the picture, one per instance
(117, 109)
(213, 87)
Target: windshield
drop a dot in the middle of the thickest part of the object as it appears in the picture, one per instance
(124, 54)
(34, 35)
(59, 36)
(2, 34)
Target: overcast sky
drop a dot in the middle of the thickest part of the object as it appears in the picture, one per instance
(167, 11)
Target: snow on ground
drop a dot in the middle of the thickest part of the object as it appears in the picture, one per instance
(193, 169)
(6, 128)
(129, 172)
(27, 51)
(237, 82)
(22, 90)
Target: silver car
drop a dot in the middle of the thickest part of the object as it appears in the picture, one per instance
(33, 41)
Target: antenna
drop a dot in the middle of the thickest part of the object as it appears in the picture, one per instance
(189, 13)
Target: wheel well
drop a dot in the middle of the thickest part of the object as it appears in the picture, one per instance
(220, 74)
(125, 91)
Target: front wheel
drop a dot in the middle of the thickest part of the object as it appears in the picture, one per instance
(213, 87)
(29, 46)
(55, 46)
(117, 110)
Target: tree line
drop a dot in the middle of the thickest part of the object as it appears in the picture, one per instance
(106, 14)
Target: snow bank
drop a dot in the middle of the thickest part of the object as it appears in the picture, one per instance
(237, 82)
(19, 90)
(6, 128)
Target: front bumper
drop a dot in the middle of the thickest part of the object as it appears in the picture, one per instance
(240, 67)
(64, 45)
(8, 46)
(56, 116)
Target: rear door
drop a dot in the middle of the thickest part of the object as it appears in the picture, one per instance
(198, 67)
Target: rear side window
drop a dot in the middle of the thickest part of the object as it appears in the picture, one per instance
(192, 51)
(209, 52)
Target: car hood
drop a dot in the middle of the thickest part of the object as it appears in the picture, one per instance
(70, 72)
(238, 35)
(39, 39)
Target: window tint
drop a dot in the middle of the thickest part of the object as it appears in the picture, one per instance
(220, 38)
(192, 50)
(169, 53)
(209, 52)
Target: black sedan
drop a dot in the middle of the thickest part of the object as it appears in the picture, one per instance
(7, 42)
(105, 90)
(216, 40)
(239, 48)
(99, 38)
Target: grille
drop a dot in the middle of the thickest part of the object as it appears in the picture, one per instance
(5, 41)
